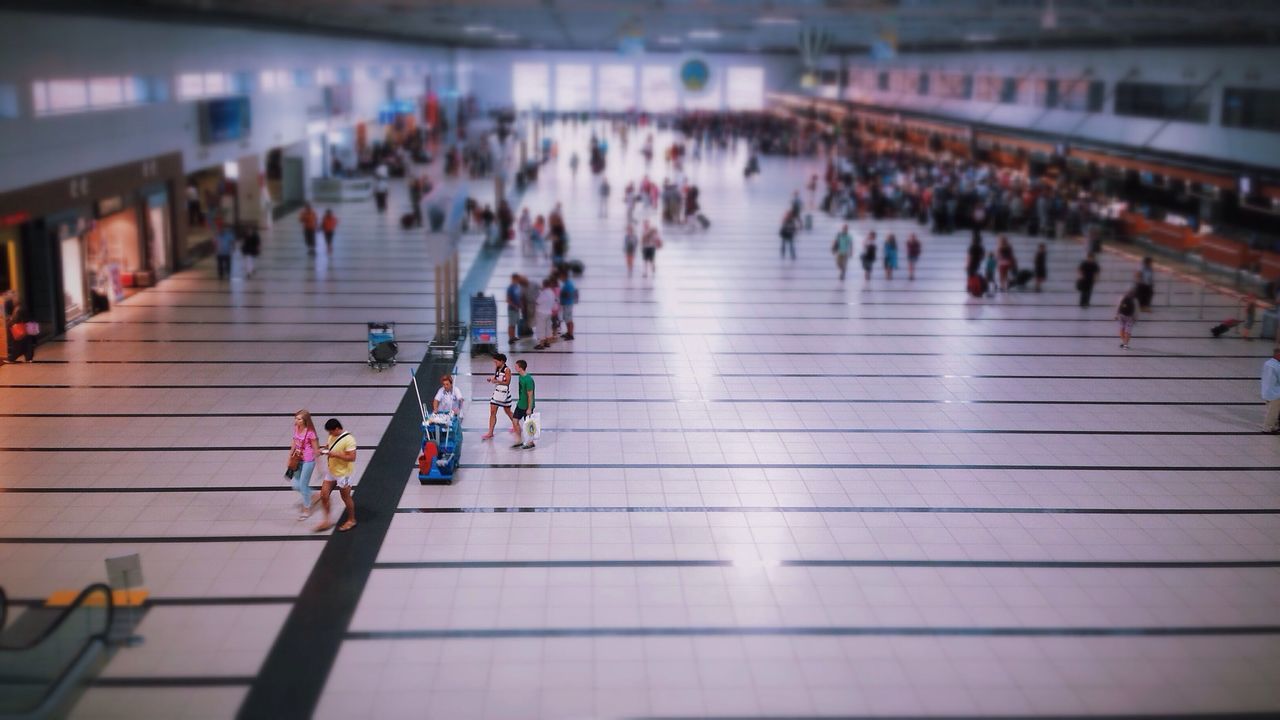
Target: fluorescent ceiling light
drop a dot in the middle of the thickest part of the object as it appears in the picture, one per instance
(777, 20)
(980, 37)
(506, 36)
(669, 40)
(477, 29)
(704, 34)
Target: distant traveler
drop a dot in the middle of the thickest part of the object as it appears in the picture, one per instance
(1127, 315)
(1088, 273)
(890, 256)
(1005, 262)
(630, 241)
(1250, 316)
(788, 234)
(340, 465)
(1146, 285)
(650, 241)
(380, 192)
(604, 197)
(329, 225)
(568, 298)
(1271, 392)
(914, 249)
(501, 396)
(976, 253)
(515, 302)
(868, 255)
(544, 328)
(524, 404)
(22, 333)
(1041, 266)
(250, 246)
(843, 248)
(307, 218)
(225, 243)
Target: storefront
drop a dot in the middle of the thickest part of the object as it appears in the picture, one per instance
(74, 247)
(210, 195)
(11, 279)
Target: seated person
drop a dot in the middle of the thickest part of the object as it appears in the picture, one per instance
(447, 399)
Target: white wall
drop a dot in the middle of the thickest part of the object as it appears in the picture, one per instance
(1235, 67)
(38, 47)
(488, 72)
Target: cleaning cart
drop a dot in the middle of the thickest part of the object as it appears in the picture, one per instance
(441, 444)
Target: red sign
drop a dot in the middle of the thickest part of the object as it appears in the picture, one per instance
(14, 219)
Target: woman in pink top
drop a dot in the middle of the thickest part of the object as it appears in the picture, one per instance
(307, 447)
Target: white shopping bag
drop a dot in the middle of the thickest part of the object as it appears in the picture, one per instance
(531, 427)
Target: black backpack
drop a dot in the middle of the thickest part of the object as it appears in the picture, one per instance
(1126, 306)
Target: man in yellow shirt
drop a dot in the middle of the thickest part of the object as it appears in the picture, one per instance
(341, 454)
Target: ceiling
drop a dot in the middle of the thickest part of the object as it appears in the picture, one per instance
(739, 25)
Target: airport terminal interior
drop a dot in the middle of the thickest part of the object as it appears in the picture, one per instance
(577, 359)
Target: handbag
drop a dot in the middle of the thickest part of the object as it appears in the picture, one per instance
(531, 426)
(18, 331)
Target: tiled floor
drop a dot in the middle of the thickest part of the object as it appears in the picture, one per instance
(761, 491)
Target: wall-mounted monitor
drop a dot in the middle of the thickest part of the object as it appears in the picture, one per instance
(223, 119)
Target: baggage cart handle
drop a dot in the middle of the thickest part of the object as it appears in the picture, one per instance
(421, 408)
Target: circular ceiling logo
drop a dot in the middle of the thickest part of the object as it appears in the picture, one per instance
(694, 75)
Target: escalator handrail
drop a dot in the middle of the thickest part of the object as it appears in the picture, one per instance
(66, 613)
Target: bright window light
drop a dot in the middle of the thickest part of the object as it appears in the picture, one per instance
(658, 89)
(744, 88)
(68, 95)
(215, 83)
(531, 86)
(573, 87)
(106, 92)
(616, 87)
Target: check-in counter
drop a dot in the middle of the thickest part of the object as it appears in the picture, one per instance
(1231, 254)
(1269, 265)
(341, 189)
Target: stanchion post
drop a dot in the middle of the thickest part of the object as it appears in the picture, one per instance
(439, 304)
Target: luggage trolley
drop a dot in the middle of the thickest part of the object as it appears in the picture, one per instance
(441, 444)
(484, 324)
(382, 345)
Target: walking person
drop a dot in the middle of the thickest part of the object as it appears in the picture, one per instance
(843, 248)
(250, 246)
(788, 235)
(604, 197)
(990, 273)
(303, 450)
(650, 241)
(524, 404)
(568, 298)
(307, 218)
(976, 253)
(524, 226)
(329, 224)
(1004, 262)
(514, 304)
(22, 333)
(1271, 392)
(1041, 265)
(543, 326)
(501, 396)
(1146, 285)
(890, 256)
(380, 190)
(1250, 307)
(914, 248)
(415, 201)
(1127, 315)
(225, 245)
(340, 462)
(1087, 275)
(629, 244)
(868, 255)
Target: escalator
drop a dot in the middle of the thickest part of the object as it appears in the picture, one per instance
(47, 652)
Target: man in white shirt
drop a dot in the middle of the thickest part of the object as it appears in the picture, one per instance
(1271, 392)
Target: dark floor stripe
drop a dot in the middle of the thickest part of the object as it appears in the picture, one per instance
(905, 509)
(308, 386)
(296, 669)
(821, 631)
(201, 681)
(283, 487)
(187, 601)
(900, 431)
(1004, 564)
(160, 539)
(884, 401)
(864, 466)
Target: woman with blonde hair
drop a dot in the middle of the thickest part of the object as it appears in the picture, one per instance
(302, 459)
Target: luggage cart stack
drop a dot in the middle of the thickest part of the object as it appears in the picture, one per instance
(382, 345)
(484, 325)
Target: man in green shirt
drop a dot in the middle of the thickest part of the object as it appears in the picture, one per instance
(524, 402)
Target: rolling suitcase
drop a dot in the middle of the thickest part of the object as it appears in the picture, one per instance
(1224, 326)
(406, 221)
(703, 221)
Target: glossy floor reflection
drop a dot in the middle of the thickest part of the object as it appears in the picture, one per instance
(761, 491)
